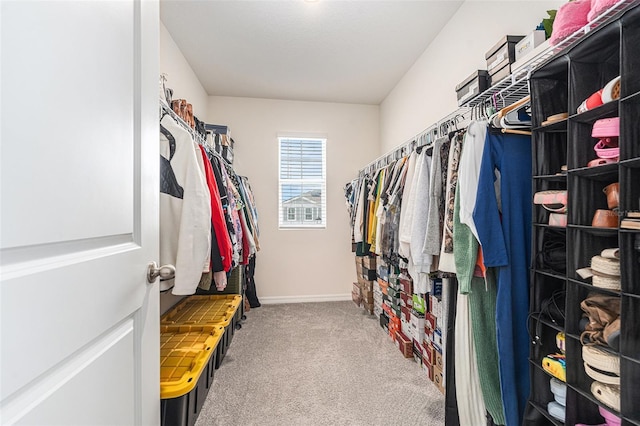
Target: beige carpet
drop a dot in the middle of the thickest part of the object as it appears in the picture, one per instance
(318, 364)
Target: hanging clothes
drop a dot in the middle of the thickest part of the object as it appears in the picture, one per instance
(470, 171)
(222, 253)
(505, 237)
(446, 261)
(406, 208)
(420, 263)
(481, 328)
(435, 218)
(185, 209)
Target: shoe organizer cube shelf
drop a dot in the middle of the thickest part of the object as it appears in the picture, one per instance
(560, 86)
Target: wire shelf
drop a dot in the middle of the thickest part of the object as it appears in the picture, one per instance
(516, 86)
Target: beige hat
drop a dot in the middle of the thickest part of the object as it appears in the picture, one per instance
(607, 394)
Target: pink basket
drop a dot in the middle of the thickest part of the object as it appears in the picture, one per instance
(606, 128)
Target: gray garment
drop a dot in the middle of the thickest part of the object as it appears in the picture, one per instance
(432, 242)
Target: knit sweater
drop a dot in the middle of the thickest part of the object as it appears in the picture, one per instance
(482, 305)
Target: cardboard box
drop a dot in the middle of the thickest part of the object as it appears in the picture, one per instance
(405, 345)
(405, 327)
(419, 304)
(395, 294)
(406, 284)
(405, 298)
(365, 284)
(438, 379)
(367, 296)
(439, 361)
(417, 326)
(356, 288)
(417, 346)
(529, 43)
(429, 354)
(430, 321)
(383, 285)
(428, 368)
(369, 274)
(384, 321)
(435, 287)
(417, 355)
(502, 53)
(368, 307)
(472, 86)
(356, 298)
(383, 272)
(436, 340)
(526, 58)
(406, 313)
(369, 262)
(394, 282)
(436, 307)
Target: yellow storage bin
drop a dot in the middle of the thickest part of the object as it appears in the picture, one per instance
(214, 310)
(184, 357)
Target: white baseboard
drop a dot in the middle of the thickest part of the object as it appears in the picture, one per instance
(272, 300)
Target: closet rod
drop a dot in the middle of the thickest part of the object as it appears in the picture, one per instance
(195, 135)
(460, 112)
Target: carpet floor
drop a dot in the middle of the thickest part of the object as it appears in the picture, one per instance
(318, 364)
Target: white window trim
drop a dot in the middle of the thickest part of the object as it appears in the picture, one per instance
(282, 224)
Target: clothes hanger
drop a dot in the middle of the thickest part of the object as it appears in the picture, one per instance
(516, 105)
(517, 132)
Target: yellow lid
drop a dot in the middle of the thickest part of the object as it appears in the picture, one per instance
(216, 310)
(183, 357)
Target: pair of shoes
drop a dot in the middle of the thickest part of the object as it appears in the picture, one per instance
(184, 111)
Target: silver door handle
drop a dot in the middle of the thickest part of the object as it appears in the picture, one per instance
(165, 272)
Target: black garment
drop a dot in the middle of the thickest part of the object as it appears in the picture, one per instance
(250, 284)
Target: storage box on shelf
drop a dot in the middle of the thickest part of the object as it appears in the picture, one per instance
(561, 85)
(501, 56)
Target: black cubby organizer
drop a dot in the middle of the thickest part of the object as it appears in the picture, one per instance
(559, 86)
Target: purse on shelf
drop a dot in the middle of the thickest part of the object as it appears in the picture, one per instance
(612, 192)
(554, 200)
(554, 252)
(602, 325)
(604, 218)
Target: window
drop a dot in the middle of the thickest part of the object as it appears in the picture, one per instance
(302, 182)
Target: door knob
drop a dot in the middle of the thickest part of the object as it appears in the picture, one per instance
(165, 272)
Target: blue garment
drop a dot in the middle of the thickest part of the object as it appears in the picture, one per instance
(506, 245)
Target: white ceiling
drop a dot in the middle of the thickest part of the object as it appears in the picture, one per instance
(331, 51)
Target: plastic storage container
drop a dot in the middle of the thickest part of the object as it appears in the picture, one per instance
(187, 367)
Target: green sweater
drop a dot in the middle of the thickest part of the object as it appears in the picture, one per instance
(482, 304)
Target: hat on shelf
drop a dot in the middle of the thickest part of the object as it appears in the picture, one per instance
(555, 118)
(601, 162)
(603, 362)
(556, 410)
(609, 395)
(611, 90)
(559, 391)
(606, 128)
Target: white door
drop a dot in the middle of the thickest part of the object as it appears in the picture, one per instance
(79, 212)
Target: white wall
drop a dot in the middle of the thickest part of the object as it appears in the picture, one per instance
(427, 91)
(180, 76)
(185, 85)
(299, 264)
